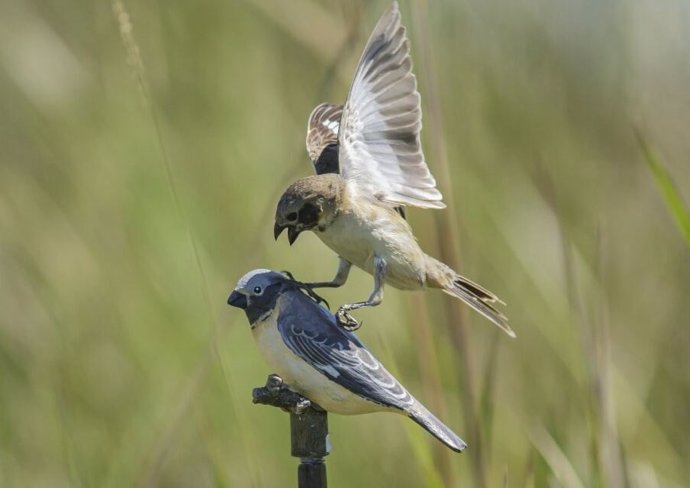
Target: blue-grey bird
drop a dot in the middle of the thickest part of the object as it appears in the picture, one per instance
(369, 163)
(320, 360)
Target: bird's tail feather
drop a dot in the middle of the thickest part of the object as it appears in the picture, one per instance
(479, 291)
(435, 427)
(479, 299)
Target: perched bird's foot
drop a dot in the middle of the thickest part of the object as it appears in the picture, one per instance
(301, 406)
(274, 383)
(347, 321)
(277, 394)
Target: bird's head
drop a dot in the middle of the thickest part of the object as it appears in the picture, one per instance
(308, 203)
(257, 292)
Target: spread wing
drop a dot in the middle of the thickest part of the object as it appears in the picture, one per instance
(322, 137)
(322, 140)
(311, 333)
(380, 150)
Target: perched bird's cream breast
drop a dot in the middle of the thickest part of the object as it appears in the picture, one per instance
(304, 378)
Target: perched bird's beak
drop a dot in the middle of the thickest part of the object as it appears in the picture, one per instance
(237, 299)
(278, 229)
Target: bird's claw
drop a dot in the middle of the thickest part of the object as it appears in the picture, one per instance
(289, 275)
(301, 406)
(308, 289)
(347, 321)
(314, 296)
(274, 383)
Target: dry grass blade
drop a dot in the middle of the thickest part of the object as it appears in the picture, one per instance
(447, 232)
(152, 468)
(610, 456)
(594, 331)
(427, 358)
(487, 390)
(556, 459)
(529, 475)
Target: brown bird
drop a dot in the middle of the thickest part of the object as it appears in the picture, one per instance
(369, 163)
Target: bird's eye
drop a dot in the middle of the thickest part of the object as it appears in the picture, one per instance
(258, 290)
(292, 216)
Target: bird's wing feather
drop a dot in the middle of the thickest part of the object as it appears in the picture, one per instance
(317, 339)
(380, 149)
(322, 137)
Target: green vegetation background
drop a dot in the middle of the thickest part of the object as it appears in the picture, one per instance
(143, 146)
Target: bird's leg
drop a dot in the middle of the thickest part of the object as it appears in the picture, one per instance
(376, 297)
(343, 272)
(344, 267)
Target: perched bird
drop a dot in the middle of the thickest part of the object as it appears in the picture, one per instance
(320, 360)
(369, 164)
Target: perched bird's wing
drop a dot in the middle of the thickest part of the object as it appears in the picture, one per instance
(380, 150)
(322, 137)
(312, 333)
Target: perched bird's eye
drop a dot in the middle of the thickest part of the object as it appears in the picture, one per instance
(292, 216)
(258, 290)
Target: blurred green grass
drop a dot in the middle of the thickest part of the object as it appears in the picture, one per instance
(121, 365)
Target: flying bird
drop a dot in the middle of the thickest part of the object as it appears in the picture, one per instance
(319, 359)
(369, 165)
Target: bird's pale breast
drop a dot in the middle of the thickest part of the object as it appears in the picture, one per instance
(364, 229)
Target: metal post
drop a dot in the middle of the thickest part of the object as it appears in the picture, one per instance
(308, 430)
(309, 435)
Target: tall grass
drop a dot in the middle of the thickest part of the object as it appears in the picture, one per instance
(668, 188)
(144, 150)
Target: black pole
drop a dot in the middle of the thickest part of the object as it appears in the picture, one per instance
(309, 435)
(308, 430)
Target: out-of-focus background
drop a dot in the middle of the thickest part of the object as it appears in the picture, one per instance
(144, 145)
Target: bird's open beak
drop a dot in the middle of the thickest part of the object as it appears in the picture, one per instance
(237, 299)
(278, 229)
(293, 233)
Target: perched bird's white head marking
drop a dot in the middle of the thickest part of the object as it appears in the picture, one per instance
(256, 293)
(257, 280)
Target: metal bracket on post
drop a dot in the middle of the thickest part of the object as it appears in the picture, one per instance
(308, 430)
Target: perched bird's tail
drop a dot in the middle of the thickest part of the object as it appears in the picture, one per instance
(477, 297)
(435, 427)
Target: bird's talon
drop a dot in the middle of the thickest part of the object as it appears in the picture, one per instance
(347, 321)
(274, 383)
(308, 289)
(289, 275)
(301, 406)
(314, 296)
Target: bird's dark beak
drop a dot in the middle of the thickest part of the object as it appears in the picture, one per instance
(293, 234)
(237, 299)
(278, 229)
